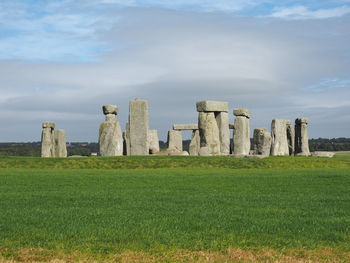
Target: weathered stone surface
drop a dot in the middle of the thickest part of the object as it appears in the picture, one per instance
(153, 141)
(301, 137)
(262, 142)
(182, 127)
(241, 134)
(209, 133)
(222, 121)
(126, 138)
(183, 153)
(174, 141)
(60, 140)
(322, 154)
(290, 137)
(138, 121)
(48, 124)
(241, 112)
(231, 126)
(204, 151)
(110, 139)
(279, 143)
(110, 109)
(211, 106)
(48, 140)
(195, 143)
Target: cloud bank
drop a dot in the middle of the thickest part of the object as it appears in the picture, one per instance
(278, 68)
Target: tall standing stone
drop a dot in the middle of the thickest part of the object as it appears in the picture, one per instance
(110, 134)
(241, 132)
(262, 142)
(153, 141)
(301, 137)
(195, 143)
(61, 146)
(175, 141)
(48, 139)
(290, 137)
(138, 123)
(209, 134)
(223, 122)
(279, 144)
(213, 127)
(126, 137)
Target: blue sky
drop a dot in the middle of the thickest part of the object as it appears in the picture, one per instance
(61, 60)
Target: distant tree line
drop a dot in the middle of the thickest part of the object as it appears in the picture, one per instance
(335, 144)
(34, 149)
(86, 148)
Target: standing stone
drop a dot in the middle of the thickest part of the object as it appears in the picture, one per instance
(153, 141)
(301, 137)
(60, 140)
(209, 134)
(213, 127)
(279, 143)
(195, 143)
(175, 141)
(138, 123)
(241, 132)
(126, 137)
(48, 140)
(290, 138)
(110, 134)
(262, 142)
(222, 121)
(231, 127)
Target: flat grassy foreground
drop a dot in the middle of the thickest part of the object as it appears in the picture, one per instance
(298, 213)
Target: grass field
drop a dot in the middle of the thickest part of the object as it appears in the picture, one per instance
(274, 209)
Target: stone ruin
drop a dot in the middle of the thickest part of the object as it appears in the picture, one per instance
(301, 137)
(174, 141)
(60, 143)
(211, 136)
(110, 137)
(262, 142)
(138, 139)
(241, 132)
(53, 144)
(175, 138)
(213, 125)
(137, 128)
(279, 144)
(287, 140)
(153, 141)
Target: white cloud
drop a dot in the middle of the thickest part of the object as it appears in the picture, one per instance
(174, 59)
(302, 12)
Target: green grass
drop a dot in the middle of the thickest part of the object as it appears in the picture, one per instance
(176, 208)
(105, 211)
(142, 162)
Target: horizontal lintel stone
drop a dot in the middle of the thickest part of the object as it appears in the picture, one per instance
(212, 106)
(185, 127)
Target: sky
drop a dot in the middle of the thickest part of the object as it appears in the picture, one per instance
(61, 60)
